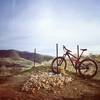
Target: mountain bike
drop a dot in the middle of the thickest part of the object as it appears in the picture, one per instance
(86, 67)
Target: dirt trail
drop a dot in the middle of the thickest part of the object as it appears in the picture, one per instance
(78, 89)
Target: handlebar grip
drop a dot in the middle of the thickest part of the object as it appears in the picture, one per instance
(64, 47)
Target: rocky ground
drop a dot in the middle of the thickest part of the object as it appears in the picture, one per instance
(40, 85)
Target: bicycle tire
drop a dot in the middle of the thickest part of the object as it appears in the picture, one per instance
(84, 65)
(55, 68)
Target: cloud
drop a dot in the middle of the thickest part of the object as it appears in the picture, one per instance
(43, 24)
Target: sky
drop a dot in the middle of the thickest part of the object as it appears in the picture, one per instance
(40, 24)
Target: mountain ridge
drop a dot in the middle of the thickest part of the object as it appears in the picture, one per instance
(25, 54)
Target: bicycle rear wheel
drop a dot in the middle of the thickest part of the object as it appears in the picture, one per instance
(88, 68)
(58, 64)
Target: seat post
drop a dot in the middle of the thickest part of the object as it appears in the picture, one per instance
(81, 54)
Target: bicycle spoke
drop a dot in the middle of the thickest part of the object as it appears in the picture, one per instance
(57, 64)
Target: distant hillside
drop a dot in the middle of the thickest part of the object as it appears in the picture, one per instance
(23, 54)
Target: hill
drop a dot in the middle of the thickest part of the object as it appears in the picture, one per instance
(24, 54)
(14, 61)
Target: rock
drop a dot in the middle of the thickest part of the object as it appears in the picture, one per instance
(46, 81)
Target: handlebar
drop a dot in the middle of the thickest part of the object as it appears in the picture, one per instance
(66, 49)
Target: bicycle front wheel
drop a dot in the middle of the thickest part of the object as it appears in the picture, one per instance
(58, 64)
(87, 68)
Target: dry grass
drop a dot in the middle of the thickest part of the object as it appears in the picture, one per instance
(10, 87)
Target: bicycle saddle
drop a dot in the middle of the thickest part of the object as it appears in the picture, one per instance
(83, 49)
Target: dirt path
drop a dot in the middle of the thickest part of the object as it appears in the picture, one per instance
(78, 89)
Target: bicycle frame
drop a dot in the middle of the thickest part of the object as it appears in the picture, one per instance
(77, 59)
